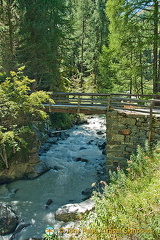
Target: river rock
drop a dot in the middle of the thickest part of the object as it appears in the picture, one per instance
(100, 133)
(82, 148)
(19, 229)
(46, 147)
(52, 140)
(88, 192)
(82, 121)
(20, 170)
(104, 152)
(71, 212)
(90, 142)
(102, 146)
(49, 202)
(8, 219)
(64, 135)
(79, 159)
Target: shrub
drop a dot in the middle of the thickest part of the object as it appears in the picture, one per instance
(129, 208)
(18, 108)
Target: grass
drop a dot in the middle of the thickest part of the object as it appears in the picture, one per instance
(129, 208)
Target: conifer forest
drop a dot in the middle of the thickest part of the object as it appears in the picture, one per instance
(82, 45)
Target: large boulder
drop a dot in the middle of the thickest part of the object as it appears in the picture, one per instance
(21, 170)
(71, 212)
(8, 219)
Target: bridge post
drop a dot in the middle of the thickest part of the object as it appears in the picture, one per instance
(151, 121)
(79, 103)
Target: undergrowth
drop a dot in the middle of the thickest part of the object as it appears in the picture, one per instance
(129, 208)
(64, 120)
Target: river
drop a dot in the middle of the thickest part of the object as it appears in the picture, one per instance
(63, 183)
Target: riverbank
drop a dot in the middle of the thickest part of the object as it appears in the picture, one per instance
(26, 163)
(74, 164)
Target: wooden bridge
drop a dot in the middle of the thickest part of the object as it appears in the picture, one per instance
(130, 119)
(100, 103)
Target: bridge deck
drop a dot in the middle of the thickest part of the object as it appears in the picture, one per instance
(70, 108)
(100, 103)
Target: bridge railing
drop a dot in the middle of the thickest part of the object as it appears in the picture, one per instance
(80, 99)
(130, 102)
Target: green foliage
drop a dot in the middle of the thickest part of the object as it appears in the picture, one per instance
(53, 237)
(107, 77)
(90, 32)
(9, 25)
(2, 77)
(63, 120)
(18, 108)
(44, 28)
(129, 208)
(129, 63)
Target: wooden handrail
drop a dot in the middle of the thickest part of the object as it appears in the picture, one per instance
(106, 102)
(105, 94)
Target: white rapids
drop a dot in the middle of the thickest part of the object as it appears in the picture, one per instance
(63, 183)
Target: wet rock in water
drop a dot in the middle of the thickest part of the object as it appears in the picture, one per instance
(90, 142)
(71, 212)
(82, 148)
(80, 121)
(40, 168)
(44, 148)
(104, 152)
(87, 191)
(19, 229)
(64, 135)
(81, 160)
(8, 219)
(102, 146)
(100, 172)
(85, 198)
(55, 168)
(52, 140)
(83, 121)
(100, 133)
(49, 202)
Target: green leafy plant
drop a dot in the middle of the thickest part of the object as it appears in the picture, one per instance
(53, 237)
(129, 208)
(19, 107)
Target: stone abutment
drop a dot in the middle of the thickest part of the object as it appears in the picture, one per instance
(126, 130)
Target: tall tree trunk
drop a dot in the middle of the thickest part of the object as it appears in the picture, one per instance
(9, 9)
(95, 72)
(82, 54)
(3, 155)
(131, 79)
(141, 83)
(155, 50)
(159, 67)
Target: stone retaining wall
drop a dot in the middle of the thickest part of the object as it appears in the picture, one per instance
(126, 130)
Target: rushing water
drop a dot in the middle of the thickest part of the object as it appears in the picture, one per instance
(63, 183)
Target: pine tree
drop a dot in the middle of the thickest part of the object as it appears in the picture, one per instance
(8, 34)
(90, 28)
(130, 42)
(42, 34)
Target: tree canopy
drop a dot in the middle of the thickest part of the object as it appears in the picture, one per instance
(18, 108)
